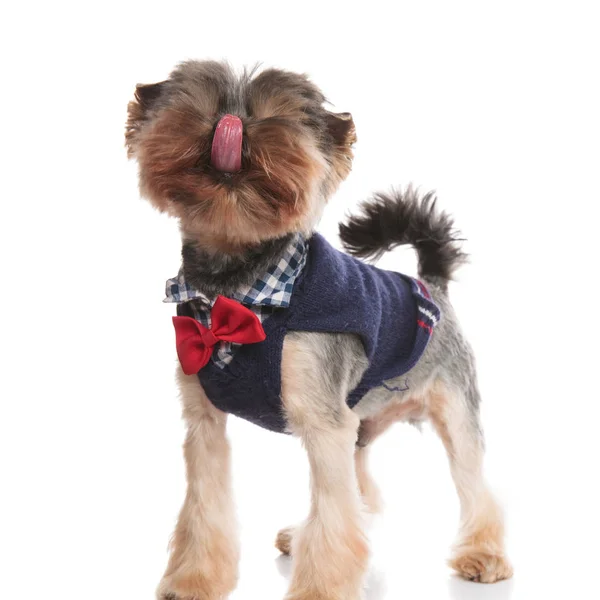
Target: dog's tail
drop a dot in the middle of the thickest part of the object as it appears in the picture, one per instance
(390, 220)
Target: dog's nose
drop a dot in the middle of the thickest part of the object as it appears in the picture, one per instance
(226, 153)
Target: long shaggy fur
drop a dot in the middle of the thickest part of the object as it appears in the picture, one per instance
(390, 220)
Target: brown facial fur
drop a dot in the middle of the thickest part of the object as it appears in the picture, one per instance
(294, 153)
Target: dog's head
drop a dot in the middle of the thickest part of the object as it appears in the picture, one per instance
(238, 159)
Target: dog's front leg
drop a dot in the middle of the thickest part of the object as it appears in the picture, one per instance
(330, 551)
(204, 548)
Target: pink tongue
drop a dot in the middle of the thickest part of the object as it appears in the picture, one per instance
(226, 152)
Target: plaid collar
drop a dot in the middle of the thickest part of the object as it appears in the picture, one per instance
(273, 288)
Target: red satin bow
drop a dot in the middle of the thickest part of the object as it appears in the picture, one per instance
(230, 322)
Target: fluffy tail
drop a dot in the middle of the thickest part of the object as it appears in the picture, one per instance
(390, 220)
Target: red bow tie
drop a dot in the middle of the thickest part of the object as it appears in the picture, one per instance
(230, 322)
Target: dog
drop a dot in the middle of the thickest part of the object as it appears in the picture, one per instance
(277, 327)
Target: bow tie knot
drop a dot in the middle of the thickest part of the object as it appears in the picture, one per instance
(230, 322)
(209, 339)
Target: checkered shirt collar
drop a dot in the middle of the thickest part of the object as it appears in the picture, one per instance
(273, 288)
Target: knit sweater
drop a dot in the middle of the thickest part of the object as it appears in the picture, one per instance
(391, 313)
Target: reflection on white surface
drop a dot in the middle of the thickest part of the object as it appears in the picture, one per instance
(284, 566)
(467, 590)
(374, 588)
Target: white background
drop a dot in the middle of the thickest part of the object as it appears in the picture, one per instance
(494, 105)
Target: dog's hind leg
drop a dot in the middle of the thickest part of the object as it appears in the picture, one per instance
(479, 554)
(204, 552)
(330, 550)
(370, 429)
(368, 489)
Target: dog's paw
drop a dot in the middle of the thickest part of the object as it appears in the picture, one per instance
(195, 586)
(283, 543)
(481, 566)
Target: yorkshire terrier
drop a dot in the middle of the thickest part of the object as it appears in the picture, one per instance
(276, 326)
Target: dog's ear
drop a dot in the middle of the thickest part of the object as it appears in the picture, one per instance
(341, 127)
(147, 93)
(146, 97)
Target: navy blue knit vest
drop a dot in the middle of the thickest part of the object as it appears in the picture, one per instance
(391, 313)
